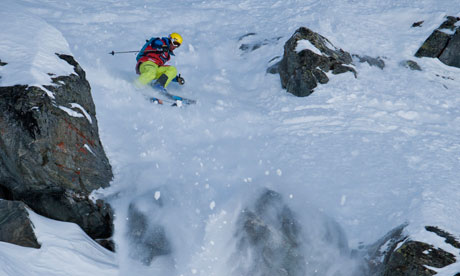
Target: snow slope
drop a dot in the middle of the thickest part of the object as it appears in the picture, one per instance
(65, 250)
(30, 49)
(371, 153)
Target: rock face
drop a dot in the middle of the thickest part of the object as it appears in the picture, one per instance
(398, 255)
(302, 69)
(51, 157)
(443, 43)
(15, 226)
(147, 240)
(269, 234)
(412, 65)
(378, 61)
(270, 240)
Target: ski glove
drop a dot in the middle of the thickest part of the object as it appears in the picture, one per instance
(180, 80)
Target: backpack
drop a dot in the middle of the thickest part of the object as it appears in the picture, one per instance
(141, 52)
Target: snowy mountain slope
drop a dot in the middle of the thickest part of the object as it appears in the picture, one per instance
(65, 250)
(371, 152)
(38, 60)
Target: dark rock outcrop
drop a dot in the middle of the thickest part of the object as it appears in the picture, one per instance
(413, 257)
(301, 71)
(51, 157)
(449, 238)
(15, 225)
(270, 240)
(417, 24)
(378, 61)
(146, 240)
(378, 253)
(2, 64)
(443, 43)
(273, 65)
(250, 42)
(397, 254)
(410, 64)
(269, 234)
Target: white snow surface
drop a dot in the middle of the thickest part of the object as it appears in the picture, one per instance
(304, 44)
(29, 46)
(71, 112)
(85, 113)
(65, 250)
(371, 152)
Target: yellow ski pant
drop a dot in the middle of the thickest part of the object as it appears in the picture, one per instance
(151, 71)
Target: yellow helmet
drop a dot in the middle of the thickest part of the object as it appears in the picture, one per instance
(176, 39)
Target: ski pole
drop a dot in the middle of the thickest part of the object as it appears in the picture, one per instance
(122, 52)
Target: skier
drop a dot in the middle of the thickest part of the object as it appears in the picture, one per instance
(152, 58)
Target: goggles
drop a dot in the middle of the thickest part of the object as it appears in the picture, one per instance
(175, 43)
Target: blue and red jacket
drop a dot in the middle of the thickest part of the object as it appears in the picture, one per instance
(156, 50)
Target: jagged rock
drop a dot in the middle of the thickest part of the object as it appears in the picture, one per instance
(270, 240)
(371, 61)
(377, 253)
(413, 257)
(443, 43)
(268, 234)
(273, 68)
(252, 43)
(412, 65)
(301, 71)
(147, 240)
(51, 157)
(449, 238)
(15, 225)
(417, 24)
(397, 254)
(108, 244)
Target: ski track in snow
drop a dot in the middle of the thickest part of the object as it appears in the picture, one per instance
(371, 152)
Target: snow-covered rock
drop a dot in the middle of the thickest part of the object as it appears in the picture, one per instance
(400, 254)
(444, 43)
(51, 154)
(308, 56)
(369, 153)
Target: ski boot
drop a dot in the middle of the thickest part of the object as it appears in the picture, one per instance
(160, 83)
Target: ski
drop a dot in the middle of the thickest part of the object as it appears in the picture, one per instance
(179, 101)
(156, 100)
(170, 98)
(177, 98)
